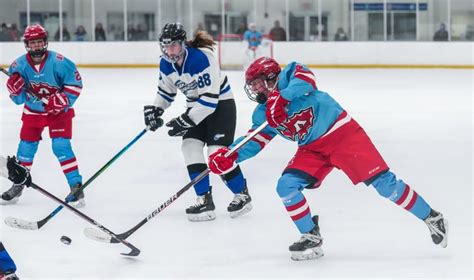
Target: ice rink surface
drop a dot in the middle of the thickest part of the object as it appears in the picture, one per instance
(421, 121)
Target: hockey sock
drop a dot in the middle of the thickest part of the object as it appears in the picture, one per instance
(401, 194)
(202, 186)
(26, 152)
(63, 151)
(289, 189)
(235, 180)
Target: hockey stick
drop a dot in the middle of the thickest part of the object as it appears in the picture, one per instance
(134, 250)
(23, 224)
(99, 236)
(28, 89)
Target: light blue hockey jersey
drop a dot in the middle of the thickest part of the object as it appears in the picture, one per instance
(253, 38)
(311, 112)
(55, 74)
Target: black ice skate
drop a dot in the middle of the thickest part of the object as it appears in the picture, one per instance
(438, 227)
(12, 195)
(203, 210)
(309, 245)
(240, 205)
(8, 276)
(76, 200)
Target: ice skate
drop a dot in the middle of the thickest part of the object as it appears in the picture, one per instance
(203, 210)
(309, 245)
(8, 276)
(438, 227)
(78, 200)
(12, 195)
(240, 205)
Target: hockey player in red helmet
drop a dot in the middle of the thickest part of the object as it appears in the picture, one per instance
(47, 84)
(328, 137)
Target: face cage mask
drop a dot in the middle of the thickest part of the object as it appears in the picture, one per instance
(37, 53)
(175, 58)
(258, 90)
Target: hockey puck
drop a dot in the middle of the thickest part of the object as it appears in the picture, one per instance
(66, 240)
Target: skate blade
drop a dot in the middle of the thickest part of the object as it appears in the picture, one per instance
(78, 204)
(202, 217)
(247, 208)
(308, 254)
(9, 202)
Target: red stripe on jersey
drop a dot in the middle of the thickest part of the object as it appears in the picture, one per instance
(75, 167)
(305, 75)
(296, 206)
(71, 91)
(300, 215)
(404, 195)
(260, 143)
(412, 202)
(68, 161)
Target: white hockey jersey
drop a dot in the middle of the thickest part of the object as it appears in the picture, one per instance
(199, 79)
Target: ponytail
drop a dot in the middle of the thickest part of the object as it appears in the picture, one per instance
(201, 40)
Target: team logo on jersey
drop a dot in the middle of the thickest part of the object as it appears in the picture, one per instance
(183, 87)
(297, 126)
(42, 90)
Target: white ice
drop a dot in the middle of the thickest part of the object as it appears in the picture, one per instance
(421, 121)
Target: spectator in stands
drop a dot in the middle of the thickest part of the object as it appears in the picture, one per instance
(4, 36)
(469, 36)
(15, 34)
(441, 34)
(242, 28)
(81, 34)
(277, 32)
(99, 32)
(340, 35)
(141, 34)
(66, 34)
(200, 27)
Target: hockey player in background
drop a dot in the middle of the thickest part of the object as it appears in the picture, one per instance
(48, 84)
(210, 118)
(253, 40)
(328, 137)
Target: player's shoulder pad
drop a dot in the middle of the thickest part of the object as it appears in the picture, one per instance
(196, 61)
(18, 63)
(166, 67)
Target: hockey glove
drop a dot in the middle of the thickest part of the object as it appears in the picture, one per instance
(220, 164)
(15, 84)
(58, 102)
(276, 109)
(152, 116)
(17, 173)
(180, 125)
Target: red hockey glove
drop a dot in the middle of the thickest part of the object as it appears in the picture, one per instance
(58, 102)
(15, 84)
(276, 109)
(220, 164)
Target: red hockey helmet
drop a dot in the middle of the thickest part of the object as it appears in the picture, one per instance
(35, 32)
(261, 78)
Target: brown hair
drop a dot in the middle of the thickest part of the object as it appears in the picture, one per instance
(201, 40)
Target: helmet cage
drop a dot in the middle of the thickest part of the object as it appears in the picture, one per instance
(36, 53)
(172, 58)
(258, 89)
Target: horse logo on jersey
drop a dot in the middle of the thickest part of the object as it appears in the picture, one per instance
(42, 90)
(297, 126)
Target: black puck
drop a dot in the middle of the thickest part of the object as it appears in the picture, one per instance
(66, 240)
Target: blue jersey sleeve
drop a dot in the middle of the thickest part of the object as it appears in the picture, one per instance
(16, 67)
(295, 81)
(254, 146)
(69, 77)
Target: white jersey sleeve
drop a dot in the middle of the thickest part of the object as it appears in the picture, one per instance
(166, 91)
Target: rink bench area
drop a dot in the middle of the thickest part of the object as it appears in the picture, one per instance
(314, 54)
